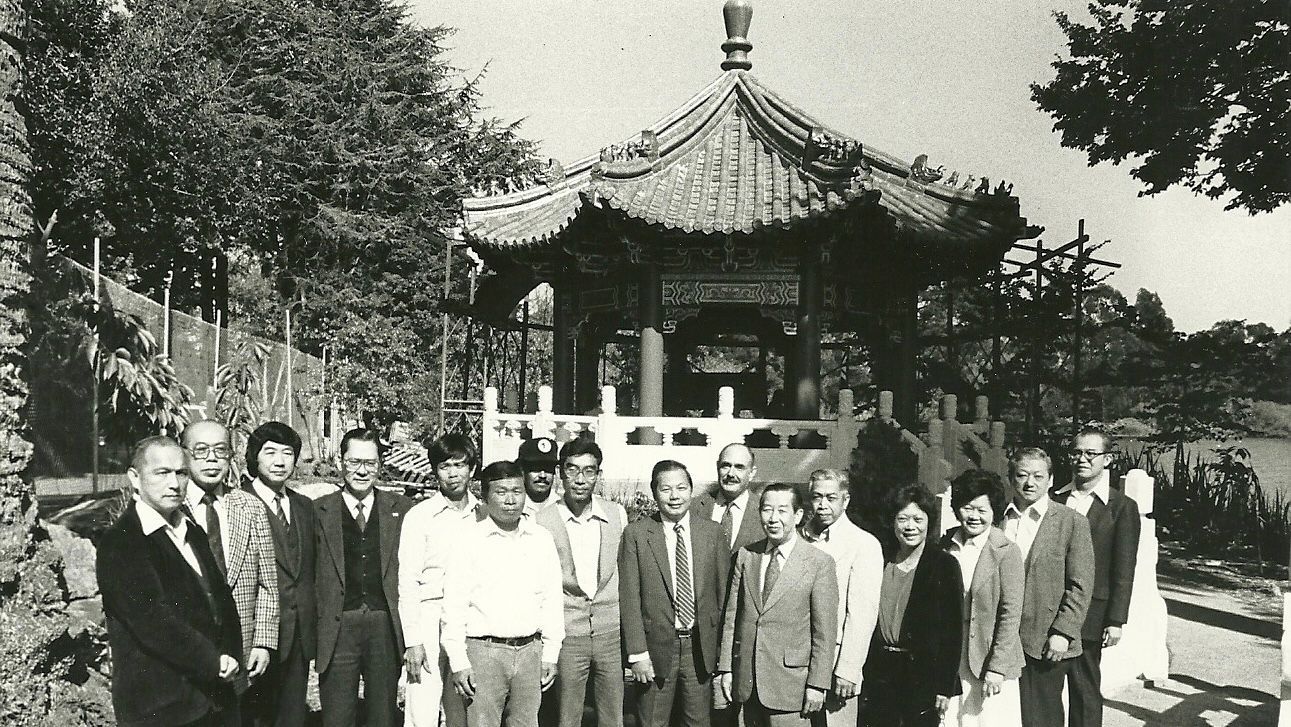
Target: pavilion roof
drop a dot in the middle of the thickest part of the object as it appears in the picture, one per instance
(736, 158)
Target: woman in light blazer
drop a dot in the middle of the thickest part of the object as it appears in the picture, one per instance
(991, 565)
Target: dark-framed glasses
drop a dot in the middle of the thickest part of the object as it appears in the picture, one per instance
(202, 451)
(1089, 454)
(361, 464)
(572, 471)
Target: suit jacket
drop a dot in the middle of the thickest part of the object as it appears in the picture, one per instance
(858, 558)
(297, 606)
(932, 626)
(646, 590)
(750, 526)
(166, 633)
(994, 607)
(252, 575)
(1114, 530)
(1059, 581)
(588, 613)
(788, 642)
(330, 573)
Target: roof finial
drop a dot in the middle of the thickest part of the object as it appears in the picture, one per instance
(737, 14)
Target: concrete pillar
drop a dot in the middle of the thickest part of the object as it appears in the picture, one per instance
(562, 350)
(806, 346)
(650, 314)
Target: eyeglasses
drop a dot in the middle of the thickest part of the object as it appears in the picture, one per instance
(202, 451)
(1086, 453)
(572, 471)
(361, 464)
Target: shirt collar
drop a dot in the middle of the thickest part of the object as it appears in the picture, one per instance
(977, 541)
(1102, 488)
(671, 526)
(740, 502)
(151, 521)
(352, 502)
(1038, 508)
(193, 496)
(594, 511)
(441, 503)
(265, 492)
(786, 548)
(823, 535)
(525, 527)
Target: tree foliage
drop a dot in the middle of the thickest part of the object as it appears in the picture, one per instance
(1198, 93)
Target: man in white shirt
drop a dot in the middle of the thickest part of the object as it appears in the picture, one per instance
(587, 530)
(171, 621)
(237, 530)
(428, 536)
(537, 457)
(1059, 560)
(858, 558)
(503, 620)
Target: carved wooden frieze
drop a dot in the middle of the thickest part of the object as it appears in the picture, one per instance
(681, 290)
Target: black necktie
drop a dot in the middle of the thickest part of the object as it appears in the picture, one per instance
(359, 518)
(213, 535)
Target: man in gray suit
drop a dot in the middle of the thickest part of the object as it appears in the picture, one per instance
(587, 529)
(673, 569)
(733, 505)
(1059, 558)
(780, 629)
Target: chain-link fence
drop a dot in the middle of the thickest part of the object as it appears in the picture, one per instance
(288, 385)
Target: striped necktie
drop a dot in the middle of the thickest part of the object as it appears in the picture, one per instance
(683, 588)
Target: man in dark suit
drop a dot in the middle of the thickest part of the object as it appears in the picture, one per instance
(278, 698)
(1114, 527)
(172, 624)
(780, 628)
(357, 580)
(1059, 563)
(672, 580)
(734, 504)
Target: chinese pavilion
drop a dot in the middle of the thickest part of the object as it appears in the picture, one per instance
(736, 214)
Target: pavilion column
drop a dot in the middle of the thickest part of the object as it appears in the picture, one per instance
(650, 315)
(562, 350)
(587, 360)
(806, 345)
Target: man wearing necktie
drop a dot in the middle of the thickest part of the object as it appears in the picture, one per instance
(672, 579)
(780, 629)
(277, 699)
(171, 621)
(237, 531)
(357, 579)
(733, 505)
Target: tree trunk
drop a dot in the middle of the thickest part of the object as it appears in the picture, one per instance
(40, 646)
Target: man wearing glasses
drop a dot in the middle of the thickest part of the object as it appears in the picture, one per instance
(1114, 527)
(237, 529)
(587, 529)
(278, 698)
(357, 577)
(537, 457)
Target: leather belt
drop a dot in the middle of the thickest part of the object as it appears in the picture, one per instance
(508, 640)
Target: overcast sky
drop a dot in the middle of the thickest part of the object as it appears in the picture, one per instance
(945, 79)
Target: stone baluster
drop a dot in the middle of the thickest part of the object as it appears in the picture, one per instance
(885, 405)
(982, 416)
(725, 403)
(544, 423)
(846, 429)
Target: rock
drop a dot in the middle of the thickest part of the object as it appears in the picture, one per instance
(78, 561)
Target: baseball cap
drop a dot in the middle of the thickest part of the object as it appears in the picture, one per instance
(538, 453)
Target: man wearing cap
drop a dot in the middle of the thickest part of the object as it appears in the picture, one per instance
(537, 458)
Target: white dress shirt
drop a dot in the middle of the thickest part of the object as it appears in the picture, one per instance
(151, 521)
(271, 498)
(194, 496)
(504, 584)
(352, 504)
(1022, 526)
(1080, 500)
(737, 507)
(584, 535)
(784, 549)
(968, 551)
(427, 536)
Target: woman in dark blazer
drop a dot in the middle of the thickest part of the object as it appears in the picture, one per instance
(991, 566)
(912, 672)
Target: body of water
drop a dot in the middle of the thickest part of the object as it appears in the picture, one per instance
(1271, 459)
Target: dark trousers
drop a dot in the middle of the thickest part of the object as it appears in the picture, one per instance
(228, 717)
(1085, 686)
(1041, 692)
(894, 693)
(365, 647)
(277, 697)
(685, 689)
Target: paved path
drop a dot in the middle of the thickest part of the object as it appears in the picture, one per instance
(1224, 664)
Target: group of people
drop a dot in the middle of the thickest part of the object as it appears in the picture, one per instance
(538, 600)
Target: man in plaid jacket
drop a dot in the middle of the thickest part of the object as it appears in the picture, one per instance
(237, 528)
